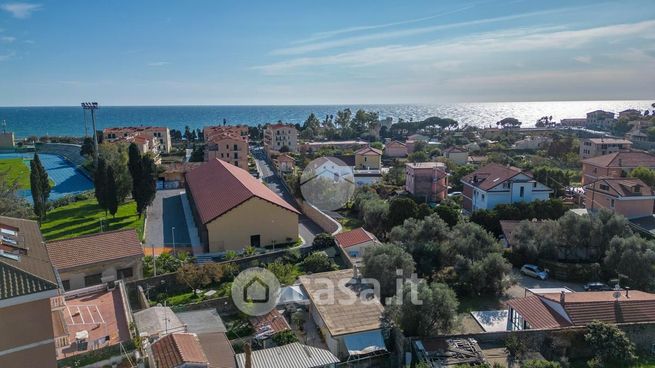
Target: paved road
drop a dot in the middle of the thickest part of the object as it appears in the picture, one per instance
(307, 228)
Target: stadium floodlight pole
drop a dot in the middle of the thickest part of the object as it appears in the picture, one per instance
(93, 106)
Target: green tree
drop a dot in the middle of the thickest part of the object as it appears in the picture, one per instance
(450, 214)
(111, 194)
(434, 315)
(375, 213)
(317, 262)
(381, 263)
(40, 186)
(11, 204)
(286, 273)
(423, 239)
(100, 183)
(284, 338)
(645, 174)
(509, 123)
(116, 156)
(401, 209)
(144, 182)
(423, 211)
(634, 258)
(87, 148)
(134, 165)
(193, 276)
(418, 156)
(540, 364)
(323, 241)
(611, 346)
(343, 118)
(312, 123)
(198, 154)
(553, 177)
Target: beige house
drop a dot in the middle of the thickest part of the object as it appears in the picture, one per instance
(457, 155)
(94, 259)
(629, 197)
(280, 135)
(354, 243)
(395, 149)
(285, 163)
(592, 147)
(229, 148)
(161, 135)
(368, 158)
(27, 282)
(234, 210)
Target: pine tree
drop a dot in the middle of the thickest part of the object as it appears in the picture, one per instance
(111, 193)
(135, 167)
(147, 184)
(44, 180)
(35, 186)
(100, 182)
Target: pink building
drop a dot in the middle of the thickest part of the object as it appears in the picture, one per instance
(395, 149)
(161, 135)
(614, 165)
(427, 180)
(629, 197)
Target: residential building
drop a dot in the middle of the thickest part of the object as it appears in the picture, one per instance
(600, 119)
(156, 322)
(555, 310)
(227, 143)
(294, 355)
(629, 197)
(496, 184)
(614, 165)
(354, 243)
(427, 180)
(395, 149)
(351, 322)
(161, 135)
(368, 158)
(636, 135)
(280, 135)
(592, 147)
(178, 350)
(531, 143)
(573, 122)
(285, 163)
(7, 140)
(630, 114)
(311, 147)
(456, 155)
(234, 210)
(99, 258)
(27, 282)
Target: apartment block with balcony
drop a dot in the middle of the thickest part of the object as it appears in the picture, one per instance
(280, 135)
(427, 180)
(161, 135)
(629, 197)
(600, 119)
(615, 165)
(227, 143)
(592, 147)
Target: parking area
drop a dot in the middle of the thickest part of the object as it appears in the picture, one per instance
(525, 282)
(167, 223)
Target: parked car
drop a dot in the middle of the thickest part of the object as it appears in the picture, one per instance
(455, 194)
(534, 271)
(597, 286)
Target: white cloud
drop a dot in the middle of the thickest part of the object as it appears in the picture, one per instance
(7, 39)
(20, 10)
(158, 63)
(7, 56)
(583, 59)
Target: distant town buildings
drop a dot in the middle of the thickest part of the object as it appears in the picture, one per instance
(280, 135)
(227, 143)
(426, 180)
(99, 258)
(573, 122)
(496, 184)
(629, 197)
(457, 155)
(614, 165)
(395, 149)
(531, 143)
(160, 136)
(27, 283)
(600, 119)
(233, 210)
(592, 147)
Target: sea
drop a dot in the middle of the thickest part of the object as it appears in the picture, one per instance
(71, 121)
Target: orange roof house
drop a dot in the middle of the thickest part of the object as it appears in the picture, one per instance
(234, 210)
(354, 243)
(614, 165)
(178, 350)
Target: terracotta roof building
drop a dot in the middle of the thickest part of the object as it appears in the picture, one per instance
(368, 158)
(161, 135)
(615, 165)
(495, 184)
(227, 143)
(629, 197)
(27, 282)
(457, 155)
(178, 350)
(354, 243)
(395, 149)
(234, 210)
(592, 147)
(578, 309)
(427, 180)
(92, 259)
(280, 135)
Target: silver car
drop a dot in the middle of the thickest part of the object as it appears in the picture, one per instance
(534, 271)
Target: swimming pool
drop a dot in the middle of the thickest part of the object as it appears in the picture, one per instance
(68, 180)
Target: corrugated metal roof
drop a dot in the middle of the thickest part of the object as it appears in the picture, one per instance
(294, 355)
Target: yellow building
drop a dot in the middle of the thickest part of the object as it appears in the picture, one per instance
(368, 158)
(234, 210)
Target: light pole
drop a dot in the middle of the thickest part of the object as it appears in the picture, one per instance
(173, 233)
(93, 106)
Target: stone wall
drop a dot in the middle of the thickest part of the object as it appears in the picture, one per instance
(327, 223)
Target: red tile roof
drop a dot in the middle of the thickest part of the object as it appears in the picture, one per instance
(217, 187)
(273, 320)
(624, 187)
(173, 350)
(353, 237)
(537, 313)
(492, 175)
(368, 151)
(622, 159)
(96, 248)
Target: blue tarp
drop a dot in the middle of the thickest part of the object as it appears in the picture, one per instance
(364, 342)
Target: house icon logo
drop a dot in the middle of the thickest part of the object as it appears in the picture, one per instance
(327, 183)
(255, 291)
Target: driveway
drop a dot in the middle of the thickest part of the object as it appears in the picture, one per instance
(526, 282)
(166, 213)
(307, 228)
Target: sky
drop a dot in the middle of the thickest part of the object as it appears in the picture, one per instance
(263, 52)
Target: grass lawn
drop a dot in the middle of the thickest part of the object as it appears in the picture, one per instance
(83, 217)
(349, 221)
(15, 171)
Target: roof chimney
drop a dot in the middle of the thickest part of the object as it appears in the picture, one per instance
(627, 292)
(248, 351)
(562, 298)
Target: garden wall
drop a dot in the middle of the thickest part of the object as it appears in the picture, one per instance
(327, 223)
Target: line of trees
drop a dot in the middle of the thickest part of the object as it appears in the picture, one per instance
(40, 186)
(106, 191)
(144, 178)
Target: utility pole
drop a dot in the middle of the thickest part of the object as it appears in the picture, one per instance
(173, 233)
(93, 106)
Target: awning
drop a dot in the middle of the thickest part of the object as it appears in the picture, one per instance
(292, 295)
(364, 342)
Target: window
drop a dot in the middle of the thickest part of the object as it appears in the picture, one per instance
(604, 187)
(255, 240)
(66, 284)
(236, 163)
(637, 189)
(124, 273)
(93, 280)
(522, 192)
(611, 203)
(483, 197)
(534, 185)
(236, 148)
(236, 154)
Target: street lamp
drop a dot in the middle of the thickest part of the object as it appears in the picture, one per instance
(93, 106)
(173, 233)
